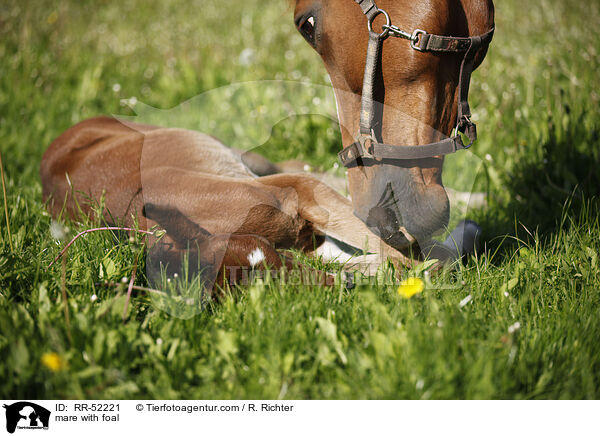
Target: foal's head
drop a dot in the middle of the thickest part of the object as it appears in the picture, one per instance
(416, 96)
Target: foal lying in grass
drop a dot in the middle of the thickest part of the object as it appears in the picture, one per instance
(215, 210)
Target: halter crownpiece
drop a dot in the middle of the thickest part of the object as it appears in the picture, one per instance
(366, 145)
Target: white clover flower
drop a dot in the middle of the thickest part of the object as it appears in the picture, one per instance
(246, 56)
(513, 328)
(58, 231)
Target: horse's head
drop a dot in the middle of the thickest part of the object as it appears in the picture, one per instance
(415, 97)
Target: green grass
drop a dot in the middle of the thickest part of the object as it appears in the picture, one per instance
(536, 102)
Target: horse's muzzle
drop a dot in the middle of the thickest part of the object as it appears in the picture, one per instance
(399, 210)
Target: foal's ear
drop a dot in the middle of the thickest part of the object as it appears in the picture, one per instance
(179, 227)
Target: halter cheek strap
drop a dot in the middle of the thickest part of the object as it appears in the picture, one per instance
(369, 8)
(366, 145)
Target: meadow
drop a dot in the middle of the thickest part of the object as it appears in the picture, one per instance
(519, 321)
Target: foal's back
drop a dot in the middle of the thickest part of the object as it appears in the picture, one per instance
(107, 156)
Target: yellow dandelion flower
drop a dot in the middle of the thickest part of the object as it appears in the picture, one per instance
(53, 361)
(410, 287)
(52, 17)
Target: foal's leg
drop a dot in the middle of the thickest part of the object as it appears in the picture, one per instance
(331, 214)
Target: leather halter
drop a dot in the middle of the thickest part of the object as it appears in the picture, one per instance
(366, 145)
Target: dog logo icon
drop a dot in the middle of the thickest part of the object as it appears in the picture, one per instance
(26, 415)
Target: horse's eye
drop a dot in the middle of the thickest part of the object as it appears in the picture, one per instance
(306, 27)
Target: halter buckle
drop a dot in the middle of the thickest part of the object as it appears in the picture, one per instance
(366, 141)
(461, 128)
(415, 39)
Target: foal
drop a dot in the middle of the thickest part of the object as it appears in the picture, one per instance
(212, 206)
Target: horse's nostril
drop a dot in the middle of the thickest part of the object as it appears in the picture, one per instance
(384, 220)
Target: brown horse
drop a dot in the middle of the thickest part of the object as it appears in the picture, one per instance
(214, 206)
(416, 97)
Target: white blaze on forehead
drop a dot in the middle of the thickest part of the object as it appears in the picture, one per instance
(256, 257)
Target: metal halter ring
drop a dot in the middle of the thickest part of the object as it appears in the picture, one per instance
(415, 39)
(386, 26)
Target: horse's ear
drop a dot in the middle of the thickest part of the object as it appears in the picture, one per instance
(179, 227)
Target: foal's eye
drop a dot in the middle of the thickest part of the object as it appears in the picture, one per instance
(306, 27)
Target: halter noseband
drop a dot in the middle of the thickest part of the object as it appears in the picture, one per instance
(366, 145)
